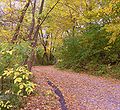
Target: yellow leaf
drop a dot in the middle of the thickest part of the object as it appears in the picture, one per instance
(21, 86)
(18, 93)
(17, 80)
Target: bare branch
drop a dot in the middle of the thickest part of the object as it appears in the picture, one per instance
(49, 12)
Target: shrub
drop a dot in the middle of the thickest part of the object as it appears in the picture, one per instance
(14, 75)
(89, 50)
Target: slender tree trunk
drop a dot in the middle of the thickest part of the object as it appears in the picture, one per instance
(31, 60)
(20, 21)
(36, 32)
(33, 21)
(35, 37)
(51, 47)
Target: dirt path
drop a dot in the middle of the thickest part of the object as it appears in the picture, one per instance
(81, 91)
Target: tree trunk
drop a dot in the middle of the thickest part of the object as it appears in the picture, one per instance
(20, 21)
(33, 21)
(35, 37)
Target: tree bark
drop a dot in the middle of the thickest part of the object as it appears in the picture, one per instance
(35, 37)
(36, 32)
(20, 21)
(33, 21)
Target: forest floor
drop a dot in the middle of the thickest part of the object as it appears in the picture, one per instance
(65, 90)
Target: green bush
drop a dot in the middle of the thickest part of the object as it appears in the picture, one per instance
(89, 50)
(14, 75)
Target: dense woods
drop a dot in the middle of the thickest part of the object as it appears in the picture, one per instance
(82, 35)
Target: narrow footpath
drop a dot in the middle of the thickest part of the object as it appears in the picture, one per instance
(73, 91)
